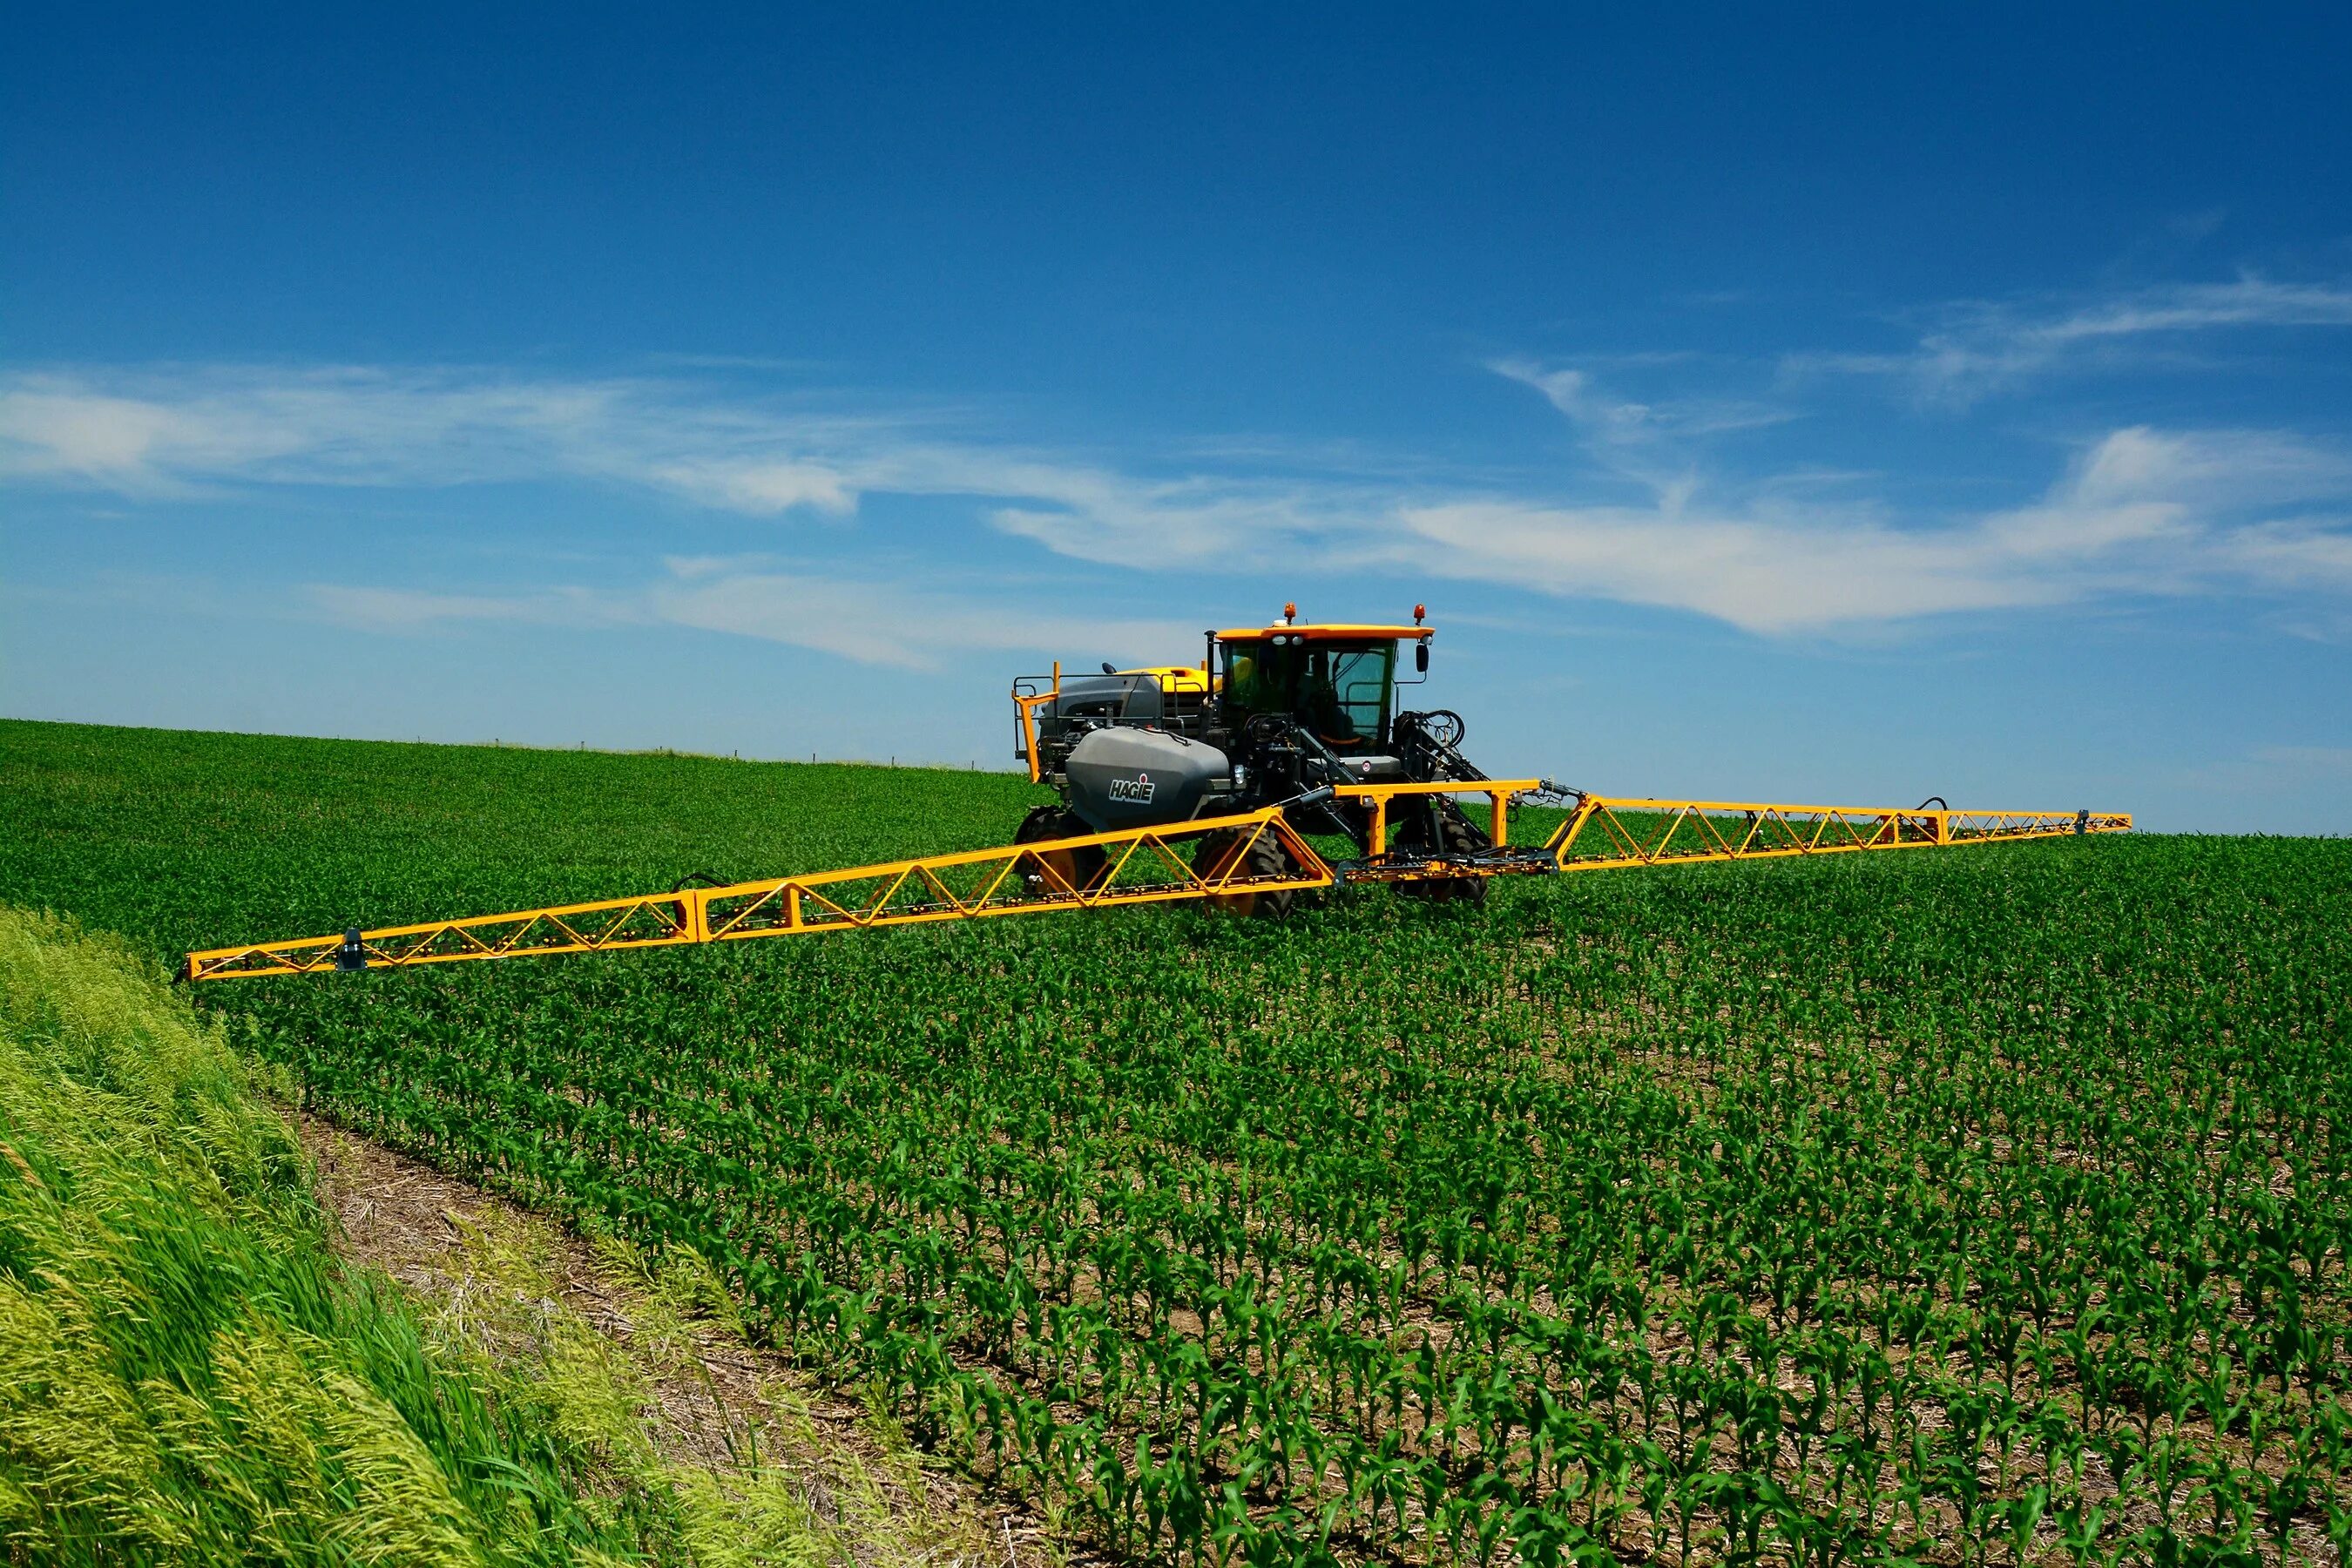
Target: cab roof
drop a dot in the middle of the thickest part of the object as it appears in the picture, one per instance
(1329, 632)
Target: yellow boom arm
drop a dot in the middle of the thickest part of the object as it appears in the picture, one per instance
(1140, 865)
(1613, 831)
(1137, 866)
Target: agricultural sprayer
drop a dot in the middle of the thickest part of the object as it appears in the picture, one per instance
(1235, 782)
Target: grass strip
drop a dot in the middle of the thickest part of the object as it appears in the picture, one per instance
(185, 1373)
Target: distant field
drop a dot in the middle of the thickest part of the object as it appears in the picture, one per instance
(192, 839)
(1979, 1206)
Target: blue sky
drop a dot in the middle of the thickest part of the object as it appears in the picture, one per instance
(1845, 408)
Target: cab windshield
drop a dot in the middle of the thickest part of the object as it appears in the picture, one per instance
(1341, 691)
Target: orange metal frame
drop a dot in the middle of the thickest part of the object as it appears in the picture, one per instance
(1632, 831)
(1029, 704)
(1139, 865)
(1499, 792)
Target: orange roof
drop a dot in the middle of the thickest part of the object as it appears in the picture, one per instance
(1327, 633)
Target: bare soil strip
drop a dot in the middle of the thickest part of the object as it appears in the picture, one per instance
(503, 1281)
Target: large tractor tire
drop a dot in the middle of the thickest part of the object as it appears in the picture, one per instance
(1217, 855)
(1456, 834)
(1074, 867)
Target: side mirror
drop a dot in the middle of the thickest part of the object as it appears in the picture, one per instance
(1420, 657)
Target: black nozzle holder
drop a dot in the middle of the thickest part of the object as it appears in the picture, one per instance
(352, 954)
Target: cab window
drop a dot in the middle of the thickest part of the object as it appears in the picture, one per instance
(1342, 691)
(1348, 690)
(1265, 675)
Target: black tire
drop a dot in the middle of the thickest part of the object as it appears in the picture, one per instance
(1264, 858)
(1075, 868)
(1456, 834)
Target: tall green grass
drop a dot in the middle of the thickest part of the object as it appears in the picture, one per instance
(185, 1375)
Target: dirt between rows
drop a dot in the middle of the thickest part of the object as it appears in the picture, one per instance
(412, 1222)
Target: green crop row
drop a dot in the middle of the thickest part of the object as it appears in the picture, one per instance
(1976, 1206)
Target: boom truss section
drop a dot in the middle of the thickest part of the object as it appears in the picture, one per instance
(1146, 865)
(1139, 866)
(1606, 832)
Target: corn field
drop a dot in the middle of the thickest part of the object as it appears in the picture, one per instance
(1974, 1206)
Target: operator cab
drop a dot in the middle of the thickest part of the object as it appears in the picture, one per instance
(1338, 682)
(1257, 689)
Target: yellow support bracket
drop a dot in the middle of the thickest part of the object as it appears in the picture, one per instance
(1498, 792)
(1028, 703)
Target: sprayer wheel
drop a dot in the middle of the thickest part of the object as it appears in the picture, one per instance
(1264, 858)
(1456, 834)
(1074, 867)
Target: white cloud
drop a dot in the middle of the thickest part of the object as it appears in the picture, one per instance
(2250, 301)
(2298, 552)
(892, 625)
(1760, 574)
(1978, 347)
(757, 487)
(2140, 510)
(163, 432)
(63, 431)
(1572, 392)
(1623, 421)
(2209, 468)
(168, 432)
(909, 628)
(1240, 527)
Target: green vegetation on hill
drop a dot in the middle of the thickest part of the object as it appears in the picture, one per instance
(186, 1376)
(1978, 1205)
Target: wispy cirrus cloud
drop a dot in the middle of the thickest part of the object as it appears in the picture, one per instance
(2137, 511)
(897, 624)
(173, 432)
(2296, 553)
(1623, 421)
(761, 486)
(892, 625)
(1974, 348)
